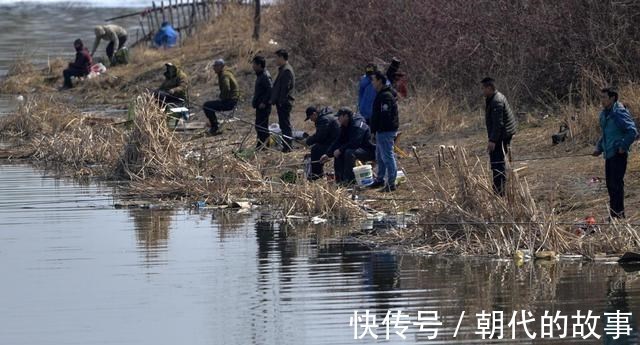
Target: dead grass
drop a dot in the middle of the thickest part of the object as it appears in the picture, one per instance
(458, 213)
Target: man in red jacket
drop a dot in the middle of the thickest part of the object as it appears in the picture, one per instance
(79, 68)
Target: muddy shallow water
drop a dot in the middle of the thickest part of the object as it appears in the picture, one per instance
(75, 270)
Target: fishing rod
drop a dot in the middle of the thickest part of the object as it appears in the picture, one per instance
(247, 123)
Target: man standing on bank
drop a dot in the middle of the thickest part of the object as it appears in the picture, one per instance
(261, 101)
(618, 133)
(384, 125)
(229, 96)
(282, 96)
(501, 127)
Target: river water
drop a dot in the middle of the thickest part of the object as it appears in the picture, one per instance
(76, 270)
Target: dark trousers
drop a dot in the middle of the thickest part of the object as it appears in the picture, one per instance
(347, 160)
(284, 120)
(72, 72)
(615, 168)
(498, 165)
(317, 168)
(122, 39)
(262, 126)
(211, 107)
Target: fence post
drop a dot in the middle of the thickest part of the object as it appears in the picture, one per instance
(164, 18)
(256, 21)
(155, 14)
(171, 13)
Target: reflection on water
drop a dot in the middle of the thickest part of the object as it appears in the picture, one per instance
(81, 272)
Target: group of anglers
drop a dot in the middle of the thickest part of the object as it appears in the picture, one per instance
(369, 133)
(166, 37)
(344, 136)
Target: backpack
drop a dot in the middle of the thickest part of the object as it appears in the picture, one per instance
(121, 57)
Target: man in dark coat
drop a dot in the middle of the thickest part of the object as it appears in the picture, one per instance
(384, 125)
(501, 127)
(81, 67)
(353, 143)
(282, 95)
(261, 101)
(327, 131)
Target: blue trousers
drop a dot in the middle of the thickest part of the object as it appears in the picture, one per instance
(385, 158)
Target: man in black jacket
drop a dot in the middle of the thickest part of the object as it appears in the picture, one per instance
(384, 125)
(261, 101)
(501, 126)
(327, 131)
(353, 143)
(282, 95)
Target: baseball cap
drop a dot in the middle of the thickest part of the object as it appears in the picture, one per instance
(309, 111)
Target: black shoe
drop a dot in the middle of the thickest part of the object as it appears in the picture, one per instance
(388, 189)
(214, 131)
(376, 184)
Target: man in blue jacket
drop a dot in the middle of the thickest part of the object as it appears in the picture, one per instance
(166, 37)
(618, 133)
(327, 131)
(367, 93)
(353, 143)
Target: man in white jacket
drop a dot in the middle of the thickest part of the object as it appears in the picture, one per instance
(116, 35)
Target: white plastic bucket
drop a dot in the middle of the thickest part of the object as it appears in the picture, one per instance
(364, 175)
(275, 128)
(401, 177)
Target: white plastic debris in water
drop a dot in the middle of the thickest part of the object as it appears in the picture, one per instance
(318, 220)
(20, 98)
(192, 154)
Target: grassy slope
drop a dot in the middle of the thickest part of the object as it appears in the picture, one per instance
(428, 120)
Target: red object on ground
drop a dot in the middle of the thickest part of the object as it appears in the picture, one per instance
(401, 84)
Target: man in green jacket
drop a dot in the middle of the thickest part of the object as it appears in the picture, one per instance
(618, 133)
(229, 96)
(282, 95)
(174, 88)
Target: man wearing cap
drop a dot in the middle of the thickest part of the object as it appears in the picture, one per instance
(501, 127)
(260, 101)
(229, 96)
(327, 131)
(353, 143)
(116, 35)
(366, 93)
(174, 88)
(282, 95)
